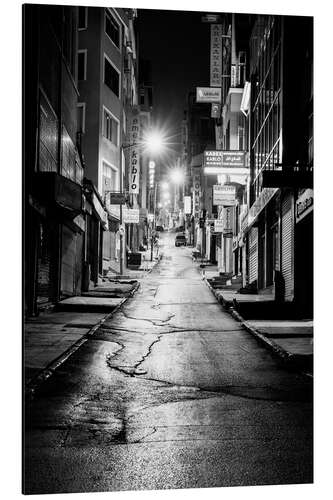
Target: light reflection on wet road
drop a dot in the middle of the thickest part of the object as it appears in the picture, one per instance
(170, 393)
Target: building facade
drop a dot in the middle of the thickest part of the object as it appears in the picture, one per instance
(53, 173)
(280, 198)
(108, 92)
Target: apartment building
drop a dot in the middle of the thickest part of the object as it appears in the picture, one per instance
(108, 92)
(54, 223)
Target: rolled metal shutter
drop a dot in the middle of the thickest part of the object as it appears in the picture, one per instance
(287, 251)
(44, 265)
(68, 261)
(253, 255)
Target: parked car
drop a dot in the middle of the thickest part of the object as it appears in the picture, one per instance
(159, 228)
(180, 240)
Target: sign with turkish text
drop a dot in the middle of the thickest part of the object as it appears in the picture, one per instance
(224, 195)
(134, 170)
(216, 55)
(131, 215)
(208, 94)
(224, 159)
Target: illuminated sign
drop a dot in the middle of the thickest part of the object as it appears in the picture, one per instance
(215, 55)
(196, 194)
(208, 94)
(134, 170)
(224, 195)
(187, 204)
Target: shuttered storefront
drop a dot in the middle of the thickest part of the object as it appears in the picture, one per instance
(287, 250)
(68, 261)
(45, 264)
(253, 255)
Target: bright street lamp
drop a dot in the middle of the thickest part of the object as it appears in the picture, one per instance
(154, 141)
(177, 176)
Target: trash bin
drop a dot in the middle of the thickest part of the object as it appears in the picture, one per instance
(134, 259)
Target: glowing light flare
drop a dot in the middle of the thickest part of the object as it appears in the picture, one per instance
(154, 141)
(177, 176)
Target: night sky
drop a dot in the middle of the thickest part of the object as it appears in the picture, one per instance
(178, 45)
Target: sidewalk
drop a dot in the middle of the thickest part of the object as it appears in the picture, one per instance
(147, 265)
(52, 337)
(289, 337)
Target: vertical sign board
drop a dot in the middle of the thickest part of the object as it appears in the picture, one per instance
(187, 204)
(228, 220)
(216, 55)
(134, 170)
(196, 194)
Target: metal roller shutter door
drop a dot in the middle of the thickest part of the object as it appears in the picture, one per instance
(287, 257)
(253, 255)
(68, 261)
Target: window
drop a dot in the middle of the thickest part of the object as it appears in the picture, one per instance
(110, 127)
(82, 65)
(112, 29)
(110, 181)
(81, 117)
(83, 18)
(111, 77)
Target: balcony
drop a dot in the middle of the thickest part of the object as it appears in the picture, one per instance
(57, 191)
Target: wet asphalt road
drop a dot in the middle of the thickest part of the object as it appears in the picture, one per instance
(170, 393)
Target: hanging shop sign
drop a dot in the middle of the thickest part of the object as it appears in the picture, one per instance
(208, 94)
(117, 198)
(187, 205)
(131, 215)
(134, 170)
(225, 162)
(224, 195)
(218, 226)
(228, 220)
(215, 55)
(224, 159)
(304, 204)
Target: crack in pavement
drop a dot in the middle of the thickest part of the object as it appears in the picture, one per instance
(136, 441)
(215, 392)
(157, 322)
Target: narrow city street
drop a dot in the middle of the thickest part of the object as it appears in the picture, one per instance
(170, 392)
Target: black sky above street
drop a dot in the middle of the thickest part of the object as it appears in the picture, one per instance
(178, 45)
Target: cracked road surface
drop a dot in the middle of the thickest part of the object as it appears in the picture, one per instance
(169, 393)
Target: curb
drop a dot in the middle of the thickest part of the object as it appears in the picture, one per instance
(35, 383)
(302, 362)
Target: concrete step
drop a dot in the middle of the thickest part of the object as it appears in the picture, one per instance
(89, 304)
